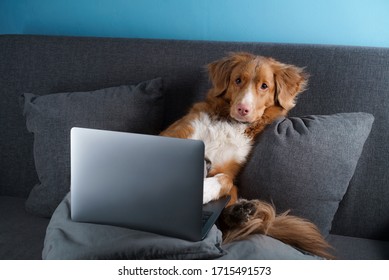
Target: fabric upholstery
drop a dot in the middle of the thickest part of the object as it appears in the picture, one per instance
(262, 247)
(353, 248)
(66, 239)
(21, 234)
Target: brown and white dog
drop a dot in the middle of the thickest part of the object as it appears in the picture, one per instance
(248, 93)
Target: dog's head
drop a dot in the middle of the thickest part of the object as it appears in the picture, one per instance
(250, 84)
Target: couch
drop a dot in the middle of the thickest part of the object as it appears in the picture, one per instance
(343, 79)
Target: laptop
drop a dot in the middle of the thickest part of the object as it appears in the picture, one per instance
(143, 182)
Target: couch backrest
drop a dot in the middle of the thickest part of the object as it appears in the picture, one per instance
(343, 79)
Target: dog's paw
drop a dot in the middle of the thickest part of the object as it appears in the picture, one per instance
(253, 129)
(239, 213)
(212, 188)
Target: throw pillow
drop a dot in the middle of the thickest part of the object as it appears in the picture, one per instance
(137, 108)
(305, 164)
(66, 239)
(263, 247)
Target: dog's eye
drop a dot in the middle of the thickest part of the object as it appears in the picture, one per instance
(238, 81)
(264, 86)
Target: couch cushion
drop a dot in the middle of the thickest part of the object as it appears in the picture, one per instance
(353, 248)
(305, 164)
(21, 234)
(125, 108)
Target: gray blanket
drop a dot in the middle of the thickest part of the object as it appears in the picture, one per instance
(66, 239)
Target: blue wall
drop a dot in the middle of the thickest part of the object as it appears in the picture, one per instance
(344, 22)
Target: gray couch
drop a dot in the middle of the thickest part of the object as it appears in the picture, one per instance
(343, 79)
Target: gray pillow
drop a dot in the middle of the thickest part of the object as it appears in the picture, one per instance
(305, 164)
(66, 239)
(263, 247)
(50, 117)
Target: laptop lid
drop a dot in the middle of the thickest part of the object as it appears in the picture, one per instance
(144, 182)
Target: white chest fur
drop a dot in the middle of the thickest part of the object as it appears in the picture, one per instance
(224, 141)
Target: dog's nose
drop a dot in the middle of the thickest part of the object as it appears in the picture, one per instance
(243, 110)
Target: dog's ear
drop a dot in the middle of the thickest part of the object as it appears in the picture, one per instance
(220, 71)
(290, 81)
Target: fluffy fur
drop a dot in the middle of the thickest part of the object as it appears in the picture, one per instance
(248, 93)
(254, 216)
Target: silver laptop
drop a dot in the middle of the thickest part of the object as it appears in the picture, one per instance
(143, 182)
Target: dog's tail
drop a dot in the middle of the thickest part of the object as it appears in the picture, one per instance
(292, 230)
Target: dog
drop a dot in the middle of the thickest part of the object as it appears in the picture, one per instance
(248, 93)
